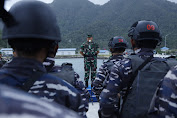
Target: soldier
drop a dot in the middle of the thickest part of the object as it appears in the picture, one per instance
(117, 46)
(17, 104)
(89, 50)
(164, 103)
(139, 74)
(66, 72)
(1, 61)
(31, 29)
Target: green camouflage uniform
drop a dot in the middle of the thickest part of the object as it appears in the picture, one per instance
(2, 61)
(90, 50)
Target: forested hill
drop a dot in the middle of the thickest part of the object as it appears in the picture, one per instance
(77, 18)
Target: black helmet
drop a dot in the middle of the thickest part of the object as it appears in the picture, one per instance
(117, 42)
(145, 30)
(35, 20)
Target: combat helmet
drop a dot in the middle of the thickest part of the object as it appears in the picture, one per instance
(117, 42)
(145, 30)
(34, 20)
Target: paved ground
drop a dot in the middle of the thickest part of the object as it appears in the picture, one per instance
(93, 110)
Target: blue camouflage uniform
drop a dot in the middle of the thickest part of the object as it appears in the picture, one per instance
(164, 103)
(77, 82)
(118, 82)
(18, 104)
(47, 87)
(101, 81)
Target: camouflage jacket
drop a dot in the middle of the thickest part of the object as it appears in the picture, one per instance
(49, 63)
(164, 103)
(89, 49)
(48, 87)
(16, 103)
(118, 81)
(101, 79)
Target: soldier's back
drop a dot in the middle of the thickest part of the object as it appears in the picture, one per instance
(48, 87)
(164, 101)
(15, 103)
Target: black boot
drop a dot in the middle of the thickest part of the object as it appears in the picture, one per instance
(86, 84)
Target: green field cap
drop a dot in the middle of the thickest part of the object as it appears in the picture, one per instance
(89, 36)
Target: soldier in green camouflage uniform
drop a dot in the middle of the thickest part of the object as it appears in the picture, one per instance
(89, 50)
(2, 61)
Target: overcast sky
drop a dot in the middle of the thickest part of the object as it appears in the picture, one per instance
(9, 3)
(100, 2)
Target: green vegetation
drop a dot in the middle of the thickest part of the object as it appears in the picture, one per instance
(77, 18)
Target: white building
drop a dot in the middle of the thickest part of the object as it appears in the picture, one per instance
(66, 51)
(103, 52)
(162, 55)
(7, 51)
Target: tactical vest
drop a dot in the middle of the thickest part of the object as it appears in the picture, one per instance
(139, 97)
(66, 73)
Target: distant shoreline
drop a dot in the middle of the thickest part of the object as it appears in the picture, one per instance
(106, 56)
(78, 56)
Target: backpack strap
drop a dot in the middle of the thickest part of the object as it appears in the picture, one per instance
(29, 83)
(133, 78)
(136, 62)
(140, 67)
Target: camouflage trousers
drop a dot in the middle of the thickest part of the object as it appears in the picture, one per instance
(90, 64)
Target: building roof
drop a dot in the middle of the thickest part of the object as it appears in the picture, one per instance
(6, 49)
(103, 51)
(67, 49)
(164, 49)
